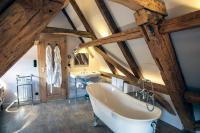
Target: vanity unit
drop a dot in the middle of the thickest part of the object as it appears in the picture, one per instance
(84, 76)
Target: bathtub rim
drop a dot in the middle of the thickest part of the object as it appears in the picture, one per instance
(119, 115)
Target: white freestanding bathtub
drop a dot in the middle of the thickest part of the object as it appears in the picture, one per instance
(119, 111)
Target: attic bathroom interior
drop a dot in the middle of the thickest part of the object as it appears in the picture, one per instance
(99, 66)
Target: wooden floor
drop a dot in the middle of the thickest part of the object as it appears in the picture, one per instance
(58, 117)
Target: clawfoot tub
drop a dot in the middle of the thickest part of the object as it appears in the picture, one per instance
(119, 111)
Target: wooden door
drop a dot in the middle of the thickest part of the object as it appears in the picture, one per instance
(52, 40)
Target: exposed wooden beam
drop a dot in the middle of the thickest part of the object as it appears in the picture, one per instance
(112, 61)
(82, 17)
(157, 87)
(122, 45)
(192, 97)
(152, 5)
(70, 32)
(89, 29)
(20, 24)
(162, 50)
(122, 36)
(71, 23)
(74, 27)
(164, 103)
(183, 22)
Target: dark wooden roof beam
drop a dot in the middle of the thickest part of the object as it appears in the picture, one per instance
(89, 29)
(69, 32)
(122, 45)
(183, 22)
(117, 37)
(20, 24)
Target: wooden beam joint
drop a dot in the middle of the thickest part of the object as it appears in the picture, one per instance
(144, 16)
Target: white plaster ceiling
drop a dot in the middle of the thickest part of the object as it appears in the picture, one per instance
(59, 21)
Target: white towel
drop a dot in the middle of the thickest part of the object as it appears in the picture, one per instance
(49, 67)
(57, 75)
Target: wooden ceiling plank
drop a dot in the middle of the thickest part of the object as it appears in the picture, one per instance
(122, 45)
(18, 38)
(89, 29)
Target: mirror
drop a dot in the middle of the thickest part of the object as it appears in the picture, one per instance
(81, 59)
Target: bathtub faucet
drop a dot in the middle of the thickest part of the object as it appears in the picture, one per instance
(142, 94)
(146, 95)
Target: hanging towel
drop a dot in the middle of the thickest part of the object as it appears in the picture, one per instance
(57, 75)
(49, 67)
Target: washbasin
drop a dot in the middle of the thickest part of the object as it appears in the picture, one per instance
(85, 74)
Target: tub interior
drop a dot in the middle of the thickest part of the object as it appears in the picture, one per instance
(121, 103)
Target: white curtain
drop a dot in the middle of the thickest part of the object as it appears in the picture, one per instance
(57, 75)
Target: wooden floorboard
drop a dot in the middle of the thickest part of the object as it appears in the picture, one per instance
(62, 116)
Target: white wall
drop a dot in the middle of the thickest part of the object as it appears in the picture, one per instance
(24, 66)
(186, 44)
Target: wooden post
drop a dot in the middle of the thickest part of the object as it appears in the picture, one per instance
(162, 50)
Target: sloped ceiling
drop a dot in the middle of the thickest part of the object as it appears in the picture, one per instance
(185, 42)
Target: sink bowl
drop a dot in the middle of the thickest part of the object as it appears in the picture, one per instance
(85, 74)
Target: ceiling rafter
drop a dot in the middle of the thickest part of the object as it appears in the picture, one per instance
(74, 27)
(117, 37)
(70, 32)
(183, 22)
(17, 23)
(192, 97)
(117, 65)
(89, 29)
(71, 23)
(122, 45)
